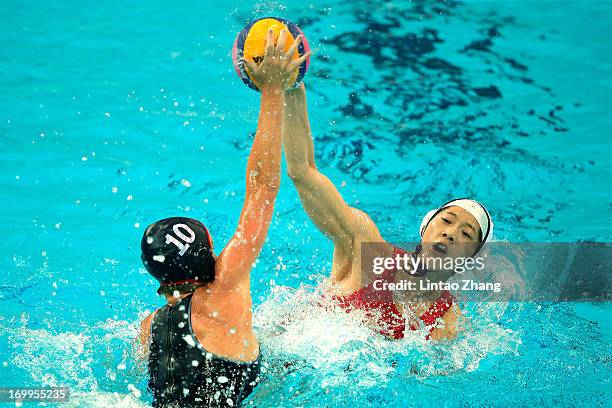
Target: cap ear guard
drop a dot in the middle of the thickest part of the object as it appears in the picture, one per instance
(426, 220)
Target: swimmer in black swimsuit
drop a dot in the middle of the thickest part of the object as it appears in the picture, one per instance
(201, 346)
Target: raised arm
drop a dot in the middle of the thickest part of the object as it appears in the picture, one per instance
(263, 167)
(320, 198)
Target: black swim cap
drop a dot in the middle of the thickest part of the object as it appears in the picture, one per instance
(177, 251)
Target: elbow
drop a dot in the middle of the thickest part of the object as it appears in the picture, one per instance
(267, 181)
(300, 173)
(268, 194)
(270, 186)
(262, 193)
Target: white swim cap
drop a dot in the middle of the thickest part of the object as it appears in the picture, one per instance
(477, 210)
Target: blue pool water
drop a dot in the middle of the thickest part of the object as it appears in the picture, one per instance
(115, 114)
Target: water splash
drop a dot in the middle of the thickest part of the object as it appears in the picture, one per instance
(333, 351)
(94, 363)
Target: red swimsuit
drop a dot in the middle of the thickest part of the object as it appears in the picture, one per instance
(378, 304)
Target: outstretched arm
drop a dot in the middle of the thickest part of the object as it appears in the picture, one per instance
(263, 167)
(320, 198)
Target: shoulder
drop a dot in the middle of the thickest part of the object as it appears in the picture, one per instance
(220, 295)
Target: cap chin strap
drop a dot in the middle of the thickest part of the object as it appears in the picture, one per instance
(178, 283)
(183, 282)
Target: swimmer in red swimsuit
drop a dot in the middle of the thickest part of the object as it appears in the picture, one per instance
(459, 228)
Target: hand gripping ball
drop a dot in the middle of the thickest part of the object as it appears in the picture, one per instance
(251, 43)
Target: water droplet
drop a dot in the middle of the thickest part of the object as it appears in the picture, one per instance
(159, 258)
(222, 379)
(135, 391)
(189, 340)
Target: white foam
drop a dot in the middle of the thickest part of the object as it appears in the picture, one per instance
(294, 328)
